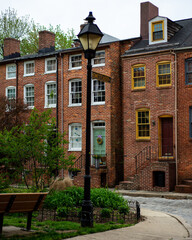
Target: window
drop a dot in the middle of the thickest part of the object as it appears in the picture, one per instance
(142, 124)
(29, 68)
(75, 61)
(50, 94)
(138, 76)
(50, 65)
(11, 95)
(188, 71)
(75, 137)
(98, 92)
(190, 122)
(11, 71)
(99, 59)
(157, 31)
(29, 95)
(75, 92)
(163, 74)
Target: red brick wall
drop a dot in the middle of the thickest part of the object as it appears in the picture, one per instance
(160, 101)
(184, 102)
(46, 39)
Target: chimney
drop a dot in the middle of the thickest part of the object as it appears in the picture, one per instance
(147, 12)
(46, 41)
(11, 48)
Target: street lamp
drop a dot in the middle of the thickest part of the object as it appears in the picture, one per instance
(89, 36)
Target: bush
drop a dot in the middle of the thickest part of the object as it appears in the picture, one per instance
(61, 184)
(106, 213)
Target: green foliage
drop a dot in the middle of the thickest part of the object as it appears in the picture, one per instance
(35, 146)
(27, 31)
(123, 209)
(106, 212)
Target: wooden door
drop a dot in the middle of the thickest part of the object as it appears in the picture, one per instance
(167, 136)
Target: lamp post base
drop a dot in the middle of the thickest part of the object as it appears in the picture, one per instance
(87, 214)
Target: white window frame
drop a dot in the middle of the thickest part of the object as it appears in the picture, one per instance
(70, 61)
(25, 67)
(50, 59)
(46, 96)
(70, 145)
(151, 22)
(6, 91)
(92, 94)
(100, 64)
(25, 91)
(7, 75)
(70, 93)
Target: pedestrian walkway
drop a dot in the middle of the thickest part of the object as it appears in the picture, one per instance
(157, 226)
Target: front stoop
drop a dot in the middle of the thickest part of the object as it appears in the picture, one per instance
(186, 187)
(130, 184)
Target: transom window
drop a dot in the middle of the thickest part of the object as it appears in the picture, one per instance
(157, 28)
(29, 95)
(11, 71)
(99, 59)
(75, 92)
(188, 71)
(50, 65)
(29, 68)
(142, 124)
(75, 137)
(138, 76)
(75, 61)
(51, 94)
(98, 92)
(163, 73)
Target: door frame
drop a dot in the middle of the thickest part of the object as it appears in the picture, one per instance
(160, 136)
(92, 137)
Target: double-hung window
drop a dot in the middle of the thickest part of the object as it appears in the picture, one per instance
(188, 71)
(99, 59)
(157, 31)
(163, 74)
(11, 96)
(11, 71)
(142, 124)
(50, 65)
(75, 137)
(75, 61)
(29, 95)
(75, 92)
(29, 68)
(98, 92)
(190, 122)
(50, 94)
(138, 76)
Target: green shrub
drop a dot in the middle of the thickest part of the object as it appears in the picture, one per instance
(62, 211)
(123, 209)
(106, 213)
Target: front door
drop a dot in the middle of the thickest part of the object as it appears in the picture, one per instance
(167, 137)
(98, 140)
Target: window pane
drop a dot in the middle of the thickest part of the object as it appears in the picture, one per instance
(29, 68)
(98, 91)
(99, 58)
(11, 71)
(76, 61)
(76, 92)
(143, 124)
(164, 75)
(11, 93)
(75, 137)
(51, 65)
(51, 93)
(29, 95)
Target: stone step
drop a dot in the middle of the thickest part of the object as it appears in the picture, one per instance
(183, 188)
(187, 182)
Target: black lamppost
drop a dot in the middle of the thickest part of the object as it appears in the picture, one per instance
(89, 36)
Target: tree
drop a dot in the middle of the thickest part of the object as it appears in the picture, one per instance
(12, 113)
(26, 30)
(34, 150)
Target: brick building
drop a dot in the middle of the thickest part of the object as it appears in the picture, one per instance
(57, 80)
(157, 99)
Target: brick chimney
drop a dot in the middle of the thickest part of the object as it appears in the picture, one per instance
(46, 41)
(11, 48)
(147, 12)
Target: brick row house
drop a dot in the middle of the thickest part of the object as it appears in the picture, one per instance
(57, 80)
(143, 112)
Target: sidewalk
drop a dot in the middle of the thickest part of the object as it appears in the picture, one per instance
(157, 226)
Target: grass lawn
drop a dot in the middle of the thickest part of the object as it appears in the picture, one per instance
(54, 229)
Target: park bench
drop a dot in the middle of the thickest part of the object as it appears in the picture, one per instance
(20, 202)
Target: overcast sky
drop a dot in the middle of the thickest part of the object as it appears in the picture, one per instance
(119, 18)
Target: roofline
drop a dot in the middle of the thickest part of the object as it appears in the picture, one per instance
(147, 53)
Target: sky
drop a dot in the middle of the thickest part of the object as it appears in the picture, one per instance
(119, 18)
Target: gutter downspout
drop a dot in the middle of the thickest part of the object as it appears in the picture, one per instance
(17, 78)
(176, 125)
(57, 112)
(62, 105)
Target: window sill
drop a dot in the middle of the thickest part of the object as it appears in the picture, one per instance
(50, 106)
(138, 89)
(164, 87)
(28, 75)
(30, 107)
(143, 140)
(75, 105)
(50, 72)
(99, 103)
(74, 150)
(10, 78)
(188, 85)
(99, 65)
(77, 68)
